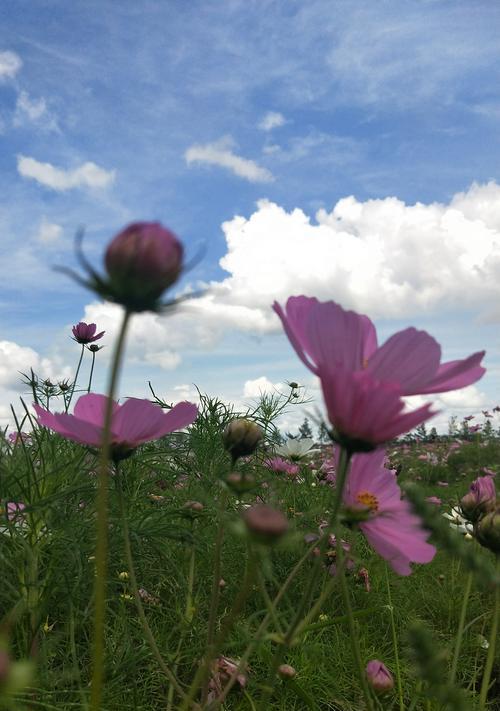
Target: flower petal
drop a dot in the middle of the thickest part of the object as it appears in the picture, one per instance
(456, 374)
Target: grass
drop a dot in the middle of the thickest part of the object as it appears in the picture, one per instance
(48, 570)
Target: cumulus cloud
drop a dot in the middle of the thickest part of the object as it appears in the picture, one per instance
(221, 153)
(273, 119)
(48, 232)
(87, 175)
(36, 111)
(10, 64)
(259, 386)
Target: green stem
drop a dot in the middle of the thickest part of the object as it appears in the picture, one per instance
(188, 616)
(138, 601)
(101, 550)
(461, 628)
(394, 640)
(91, 371)
(353, 632)
(76, 378)
(492, 644)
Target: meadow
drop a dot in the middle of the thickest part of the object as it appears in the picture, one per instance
(167, 556)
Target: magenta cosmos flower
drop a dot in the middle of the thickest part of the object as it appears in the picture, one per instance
(133, 423)
(390, 528)
(86, 332)
(362, 383)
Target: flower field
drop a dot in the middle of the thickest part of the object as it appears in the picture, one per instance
(188, 556)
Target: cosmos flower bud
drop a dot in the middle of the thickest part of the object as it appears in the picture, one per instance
(285, 671)
(379, 677)
(487, 530)
(196, 506)
(94, 348)
(142, 261)
(240, 483)
(241, 437)
(479, 499)
(265, 523)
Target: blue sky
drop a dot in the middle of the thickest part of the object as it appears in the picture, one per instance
(348, 150)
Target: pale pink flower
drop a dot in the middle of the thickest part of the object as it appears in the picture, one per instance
(379, 677)
(391, 528)
(434, 500)
(86, 333)
(362, 383)
(279, 465)
(133, 423)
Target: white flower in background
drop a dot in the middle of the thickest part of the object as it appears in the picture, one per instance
(296, 449)
(459, 523)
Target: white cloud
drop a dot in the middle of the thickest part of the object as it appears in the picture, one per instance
(33, 111)
(10, 64)
(87, 175)
(255, 388)
(220, 153)
(273, 119)
(48, 232)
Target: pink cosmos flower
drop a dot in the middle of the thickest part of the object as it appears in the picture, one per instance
(86, 332)
(362, 383)
(391, 528)
(379, 677)
(279, 465)
(133, 423)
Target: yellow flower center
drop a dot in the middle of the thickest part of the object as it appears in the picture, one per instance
(365, 363)
(365, 498)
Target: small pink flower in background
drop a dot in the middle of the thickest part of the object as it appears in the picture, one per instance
(18, 437)
(379, 677)
(434, 500)
(486, 413)
(391, 528)
(474, 428)
(279, 465)
(442, 483)
(480, 498)
(13, 513)
(488, 471)
(223, 669)
(362, 383)
(496, 408)
(364, 576)
(133, 423)
(469, 418)
(86, 333)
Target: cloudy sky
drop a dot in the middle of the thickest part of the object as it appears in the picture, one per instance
(343, 149)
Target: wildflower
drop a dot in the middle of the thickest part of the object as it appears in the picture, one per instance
(487, 530)
(223, 669)
(389, 524)
(443, 484)
(363, 384)
(480, 498)
(266, 523)
(279, 465)
(286, 671)
(86, 333)
(296, 449)
(434, 500)
(123, 575)
(458, 522)
(241, 437)
(19, 437)
(147, 597)
(379, 677)
(133, 423)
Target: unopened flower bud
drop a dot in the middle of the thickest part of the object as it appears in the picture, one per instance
(293, 385)
(285, 671)
(487, 530)
(93, 348)
(240, 483)
(480, 498)
(194, 506)
(379, 677)
(142, 261)
(265, 523)
(241, 437)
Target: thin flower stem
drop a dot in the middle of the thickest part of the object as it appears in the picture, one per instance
(91, 371)
(74, 381)
(262, 627)
(101, 550)
(394, 640)
(343, 470)
(492, 644)
(138, 602)
(353, 632)
(461, 627)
